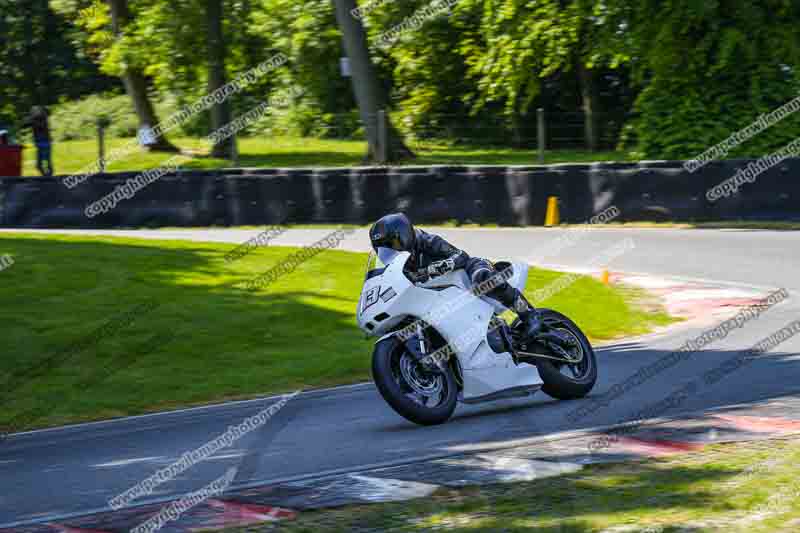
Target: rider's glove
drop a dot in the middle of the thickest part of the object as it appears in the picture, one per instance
(439, 268)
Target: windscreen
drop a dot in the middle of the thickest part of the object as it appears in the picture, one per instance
(386, 255)
(379, 260)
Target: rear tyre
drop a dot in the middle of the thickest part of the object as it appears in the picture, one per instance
(565, 381)
(425, 398)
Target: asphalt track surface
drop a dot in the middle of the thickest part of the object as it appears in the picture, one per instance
(63, 472)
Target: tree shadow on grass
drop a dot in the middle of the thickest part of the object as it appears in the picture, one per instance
(300, 159)
(224, 342)
(425, 155)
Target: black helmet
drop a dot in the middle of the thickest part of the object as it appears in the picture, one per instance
(393, 231)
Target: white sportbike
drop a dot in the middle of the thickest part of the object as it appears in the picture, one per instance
(441, 341)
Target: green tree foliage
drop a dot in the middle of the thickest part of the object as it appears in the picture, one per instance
(485, 65)
(685, 74)
(423, 66)
(710, 68)
(39, 63)
(168, 41)
(306, 32)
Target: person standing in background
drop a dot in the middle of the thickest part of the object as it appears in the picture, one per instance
(38, 123)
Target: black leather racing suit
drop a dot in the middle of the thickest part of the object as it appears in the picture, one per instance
(431, 248)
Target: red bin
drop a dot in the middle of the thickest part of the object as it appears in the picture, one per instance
(10, 160)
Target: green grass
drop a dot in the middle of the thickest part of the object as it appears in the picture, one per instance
(208, 339)
(729, 224)
(722, 224)
(741, 487)
(284, 152)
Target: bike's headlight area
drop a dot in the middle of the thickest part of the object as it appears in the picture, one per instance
(376, 294)
(382, 291)
(370, 298)
(372, 310)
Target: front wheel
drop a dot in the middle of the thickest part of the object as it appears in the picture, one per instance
(568, 381)
(425, 398)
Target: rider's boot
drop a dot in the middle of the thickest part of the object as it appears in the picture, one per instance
(531, 322)
(533, 326)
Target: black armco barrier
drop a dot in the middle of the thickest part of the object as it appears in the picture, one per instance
(512, 195)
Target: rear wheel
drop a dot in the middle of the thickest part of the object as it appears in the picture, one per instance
(567, 381)
(421, 396)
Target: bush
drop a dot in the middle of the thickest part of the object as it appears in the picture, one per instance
(77, 119)
(678, 121)
(303, 120)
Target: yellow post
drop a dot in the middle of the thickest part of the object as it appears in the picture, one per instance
(604, 276)
(552, 217)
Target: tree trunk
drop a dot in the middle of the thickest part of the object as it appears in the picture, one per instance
(32, 67)
(586, 81)
(220, 112)
(136, 84)
(369, 93)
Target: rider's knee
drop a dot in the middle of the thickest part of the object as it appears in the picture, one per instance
(504, 293)
(480, 275)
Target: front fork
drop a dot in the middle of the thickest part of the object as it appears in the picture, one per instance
(421, 334)
(416, 344)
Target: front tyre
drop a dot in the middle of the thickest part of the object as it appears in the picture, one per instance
(425, 398)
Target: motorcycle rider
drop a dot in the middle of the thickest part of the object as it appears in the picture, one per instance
(437, 257)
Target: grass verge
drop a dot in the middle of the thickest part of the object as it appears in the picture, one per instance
(772, 225)
(285, 152)
(98, 327)
(749, 487)
(721, 224)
